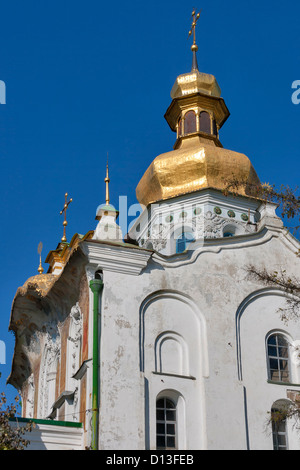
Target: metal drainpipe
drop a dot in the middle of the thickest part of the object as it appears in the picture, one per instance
(96, 286)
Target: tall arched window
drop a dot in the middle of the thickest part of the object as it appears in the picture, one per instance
(205, 122)
(279, 424)
(278, 358)
(183, 240)
(190, 122)
(166, 424)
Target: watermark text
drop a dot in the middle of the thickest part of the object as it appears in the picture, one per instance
(296, 93)
(2, 92)
(2, 352)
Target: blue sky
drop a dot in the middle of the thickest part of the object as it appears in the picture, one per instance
(86, 78)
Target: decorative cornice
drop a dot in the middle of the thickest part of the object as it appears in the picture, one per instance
(216, 245)
(121, 258)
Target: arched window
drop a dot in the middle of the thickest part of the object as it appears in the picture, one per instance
(190, 122)
(279, 424)
(183, 240)
(228, 234)
(166, 424)
(205, 122)
(278, 358)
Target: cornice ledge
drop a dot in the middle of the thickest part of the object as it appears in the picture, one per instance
(214, 245)
(121, 259)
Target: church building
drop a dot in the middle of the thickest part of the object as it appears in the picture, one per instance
(158, 338)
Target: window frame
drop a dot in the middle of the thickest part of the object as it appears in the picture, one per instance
(165, 422)
(279, 406)
(278, 358)
(183, 240)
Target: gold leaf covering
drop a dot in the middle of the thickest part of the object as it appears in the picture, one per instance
(196, 164)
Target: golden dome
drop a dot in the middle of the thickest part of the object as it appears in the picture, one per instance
(196, 164)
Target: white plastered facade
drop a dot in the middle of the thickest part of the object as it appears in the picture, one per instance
(192, 327)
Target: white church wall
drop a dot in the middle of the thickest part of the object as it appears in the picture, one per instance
(191, 312)
(261, 317)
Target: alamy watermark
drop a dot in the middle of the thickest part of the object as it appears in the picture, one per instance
(2, 92)
(2, 353)
(296, 93)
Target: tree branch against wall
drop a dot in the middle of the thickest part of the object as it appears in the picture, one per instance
(11, 436)
(288, 201)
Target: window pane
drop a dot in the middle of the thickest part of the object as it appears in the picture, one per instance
(274, 375)
(170, 404)
(272, 351)
(180, 127)
(160, 403)
(285, 377)
(170, 442)
(272, 340)
(274, 364)
(170, 415)
(281, 440)
(171, 429)
(215, 130)
(283, 364)
(281, 340)
(205, 122)
(283, 351)
(160, 428)
(160, 415)
(160, 441)
(190, 122)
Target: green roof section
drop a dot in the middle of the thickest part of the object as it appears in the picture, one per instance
(51, 422)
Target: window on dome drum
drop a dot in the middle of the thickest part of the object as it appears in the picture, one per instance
(183, 240)
(279, 430)
(165, 424)
(179, 127)
(190, 122)
(228, 234)
(215, 130)
(205, 122)
(278, 358)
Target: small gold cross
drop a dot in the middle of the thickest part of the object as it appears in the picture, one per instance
(193, 28)
(40, 268)
(107, 181)
(65, 223)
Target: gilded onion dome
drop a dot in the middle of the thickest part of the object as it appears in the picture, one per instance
(199, 161)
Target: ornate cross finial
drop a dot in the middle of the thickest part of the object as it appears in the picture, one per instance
(194, 47)
(40, 247)
(64, 210)
(107, 180)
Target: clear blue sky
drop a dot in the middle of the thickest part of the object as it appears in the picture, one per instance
(87, 78)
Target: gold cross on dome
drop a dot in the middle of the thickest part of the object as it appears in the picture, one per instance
(40, 248)
(107, 181)
(195, 17)
(64, 210)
